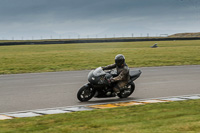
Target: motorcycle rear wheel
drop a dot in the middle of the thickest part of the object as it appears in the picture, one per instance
(85, 93)
(127, 92)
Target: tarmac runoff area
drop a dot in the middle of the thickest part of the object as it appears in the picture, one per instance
(69, 109)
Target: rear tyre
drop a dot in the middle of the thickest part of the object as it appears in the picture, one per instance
(127, 91)
(85, 93)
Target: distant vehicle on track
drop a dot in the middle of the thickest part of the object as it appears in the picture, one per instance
(155, 45)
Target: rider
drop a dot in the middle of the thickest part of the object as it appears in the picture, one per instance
(122, 72)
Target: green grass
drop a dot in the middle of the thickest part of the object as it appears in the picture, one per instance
(64, 57)
(172, 117)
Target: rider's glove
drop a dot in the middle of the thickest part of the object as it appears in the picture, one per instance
(111, 80)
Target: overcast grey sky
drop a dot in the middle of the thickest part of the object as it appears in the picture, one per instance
(27, 19)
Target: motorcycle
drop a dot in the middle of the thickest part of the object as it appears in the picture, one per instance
(99, 86)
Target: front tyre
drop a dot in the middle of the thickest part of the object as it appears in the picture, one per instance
(85, 93)
(127, 91)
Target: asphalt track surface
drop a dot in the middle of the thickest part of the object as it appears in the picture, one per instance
(20, 92)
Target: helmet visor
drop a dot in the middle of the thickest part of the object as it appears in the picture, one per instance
(119, 62)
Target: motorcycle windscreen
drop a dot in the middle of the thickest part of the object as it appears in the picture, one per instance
(98, 72)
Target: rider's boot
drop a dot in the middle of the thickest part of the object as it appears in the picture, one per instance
(116, 91)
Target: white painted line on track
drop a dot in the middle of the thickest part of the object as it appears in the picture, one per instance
(4, 117)
(68, 109)
(21, 115)
(52, 111)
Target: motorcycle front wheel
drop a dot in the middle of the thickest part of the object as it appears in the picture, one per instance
(127, 91)
(85, 93)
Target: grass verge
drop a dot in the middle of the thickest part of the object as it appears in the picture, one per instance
(64, 57)
(168, 117)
